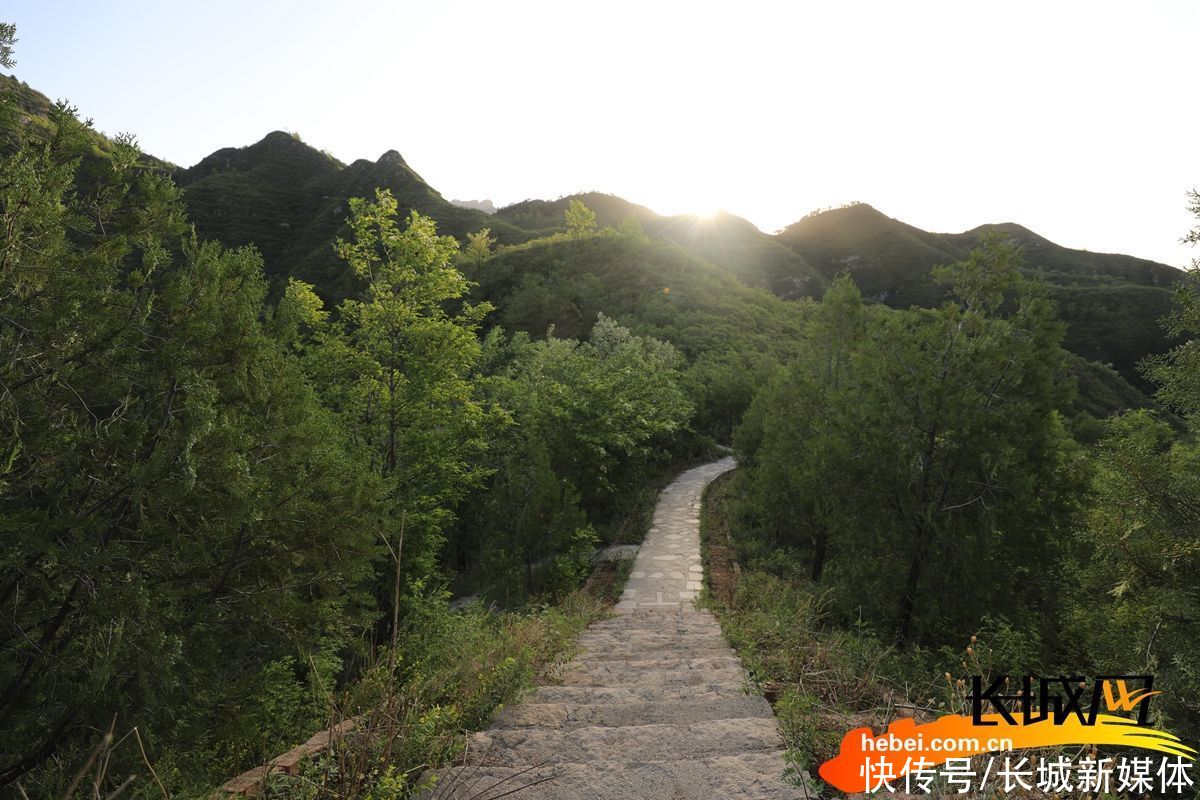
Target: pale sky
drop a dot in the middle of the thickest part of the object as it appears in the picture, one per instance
(1077, 119)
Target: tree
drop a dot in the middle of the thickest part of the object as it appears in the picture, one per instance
(479, 246)
(581, 220)
(584, 414)
(972, 450)
(171, 491)
(397, 367)
(8, 38)
(1138, 607)
(912, 446)
(1177, 373)
(810, 422)
(631, 227)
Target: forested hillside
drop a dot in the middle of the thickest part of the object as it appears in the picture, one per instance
(730, 242)
(1111, 303)
(733, 336)
(290, 200)
(231, 514)
(263, 419)
(909, 478)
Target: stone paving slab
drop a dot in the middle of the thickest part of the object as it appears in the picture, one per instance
(647, 712)
(662, 661)
(635, 694)
(627, 677)
(625, 652)
(511, 746)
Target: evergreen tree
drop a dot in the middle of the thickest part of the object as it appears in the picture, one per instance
(810, 411)
(170, 489)
(908, 451)
(8, 39)
(1138, 608)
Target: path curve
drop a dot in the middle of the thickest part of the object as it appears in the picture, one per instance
(655, 705)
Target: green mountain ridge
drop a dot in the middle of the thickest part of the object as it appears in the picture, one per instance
(731, 242)
(290, 201)
(656, 288)
(733, 335)
(1112, 303)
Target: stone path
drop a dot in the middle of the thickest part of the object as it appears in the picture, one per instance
(654, 706)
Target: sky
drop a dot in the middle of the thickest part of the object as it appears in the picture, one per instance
(1075, 119)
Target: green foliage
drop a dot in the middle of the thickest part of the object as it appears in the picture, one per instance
(1103, 392)
(722, 385)
(1138, 606)
(8, 38)
(1105, 548)
(631, 226)
(816, 673)
(234, 482)
(1177, 372)
(588, 417)
(396, 368)
(732, 335)
(199, 492)
(729, 242)
(291, 201)
(901, 448)
(1111, 303)
(581, 220)
(171, 490)
(479, 246)
(544, 536)
(458, 670)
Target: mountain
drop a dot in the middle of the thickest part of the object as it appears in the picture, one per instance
(1111, 303)
(733, 335)
(291, 200)
(728, 241)
(486, 206)
(653, 287)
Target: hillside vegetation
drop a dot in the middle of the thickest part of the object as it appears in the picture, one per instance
(730, 242)
(732, 335)
(291, 200)
(1111, 303)
(231, 518)
(911, 467)
(261, 417)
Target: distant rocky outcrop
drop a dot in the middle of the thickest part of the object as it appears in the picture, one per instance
(486, 206)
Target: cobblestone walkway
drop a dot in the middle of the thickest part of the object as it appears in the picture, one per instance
(654, 706)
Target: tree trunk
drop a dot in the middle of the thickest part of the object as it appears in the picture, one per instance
(819, 546)
(908, 600)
